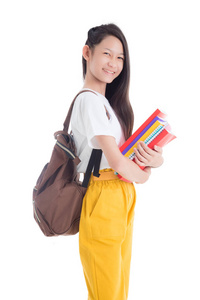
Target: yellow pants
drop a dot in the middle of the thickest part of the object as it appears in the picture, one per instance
(105, 236)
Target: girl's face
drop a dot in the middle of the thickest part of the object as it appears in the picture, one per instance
(105, 61)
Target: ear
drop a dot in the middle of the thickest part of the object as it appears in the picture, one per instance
(86, 52)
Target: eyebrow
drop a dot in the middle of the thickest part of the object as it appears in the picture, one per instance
(112, 51)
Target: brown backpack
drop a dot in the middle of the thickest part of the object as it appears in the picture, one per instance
(58, 194)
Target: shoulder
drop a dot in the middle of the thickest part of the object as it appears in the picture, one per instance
(90, 99)
(87, 96)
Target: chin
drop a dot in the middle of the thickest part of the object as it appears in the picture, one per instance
(109, 80)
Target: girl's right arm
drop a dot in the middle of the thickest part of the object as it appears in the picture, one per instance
(119, 163)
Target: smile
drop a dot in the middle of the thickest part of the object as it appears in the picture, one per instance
(109, 72)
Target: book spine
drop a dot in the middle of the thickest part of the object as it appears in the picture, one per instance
(157, 113)
(149, 139)
(141, 134)
(144, 137)
(161, 139)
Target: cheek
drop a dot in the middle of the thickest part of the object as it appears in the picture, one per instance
(98, 64)
(102, 62)
(120, 68)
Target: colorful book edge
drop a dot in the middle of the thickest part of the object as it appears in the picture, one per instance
(160, 137)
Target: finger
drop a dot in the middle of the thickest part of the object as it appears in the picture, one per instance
(145, 150)
(139, 156)
(139, 163)
(151, 152)
(158, 149)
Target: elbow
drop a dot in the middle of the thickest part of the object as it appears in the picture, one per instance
(145, 175)
(143, 178)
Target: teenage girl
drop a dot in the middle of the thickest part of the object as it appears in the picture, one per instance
(102, 118)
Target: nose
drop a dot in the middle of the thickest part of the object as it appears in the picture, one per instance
(112, 62)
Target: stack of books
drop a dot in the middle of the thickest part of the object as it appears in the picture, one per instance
(154, 131)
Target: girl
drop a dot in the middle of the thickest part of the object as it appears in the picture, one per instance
(102, 118)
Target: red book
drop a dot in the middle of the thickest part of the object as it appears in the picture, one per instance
(154, 131)
(156, 113)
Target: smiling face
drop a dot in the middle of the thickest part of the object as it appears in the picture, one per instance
(104, 62)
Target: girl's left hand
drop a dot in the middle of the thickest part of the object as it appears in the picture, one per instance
(146, 157)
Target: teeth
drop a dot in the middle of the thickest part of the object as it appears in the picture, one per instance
(109, 72)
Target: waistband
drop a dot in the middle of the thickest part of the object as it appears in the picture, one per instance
(106, 174)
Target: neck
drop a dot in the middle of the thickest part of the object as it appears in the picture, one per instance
(95, 86)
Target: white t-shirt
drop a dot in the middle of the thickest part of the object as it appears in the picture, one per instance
(88, 120)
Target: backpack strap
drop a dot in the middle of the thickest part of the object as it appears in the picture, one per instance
(67, 120)
(95, 158)
(94, 162)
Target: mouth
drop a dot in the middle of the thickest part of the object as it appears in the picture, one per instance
(108, 72)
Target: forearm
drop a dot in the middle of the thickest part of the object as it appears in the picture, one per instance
(121, 164)
(130, 171)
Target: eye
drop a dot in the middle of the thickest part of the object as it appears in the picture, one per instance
(106, 53)
(121, 58)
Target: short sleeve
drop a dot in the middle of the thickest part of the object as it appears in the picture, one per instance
(93, 118)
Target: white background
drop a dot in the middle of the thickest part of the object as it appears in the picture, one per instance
(40, 69)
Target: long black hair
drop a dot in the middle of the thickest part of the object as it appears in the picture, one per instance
(117, 92)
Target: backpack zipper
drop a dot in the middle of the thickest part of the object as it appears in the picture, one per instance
(35, 212)
(71, 154)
